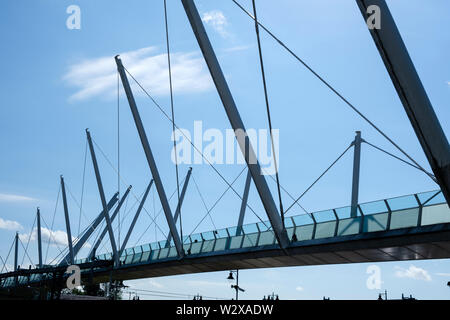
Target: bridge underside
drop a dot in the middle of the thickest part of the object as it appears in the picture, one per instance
(429, 242)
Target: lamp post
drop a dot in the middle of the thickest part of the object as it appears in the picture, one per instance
(235, 286)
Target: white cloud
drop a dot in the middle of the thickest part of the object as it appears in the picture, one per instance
(442, 274)
(217, 21)
(155, 284)
(413, 272)
(299, 288)
(10, 225)
(57, 237)
(14, 198)
(98, 76)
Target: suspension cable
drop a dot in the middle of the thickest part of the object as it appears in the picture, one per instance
(215, 203)
(332, 89)
(29, 238)
(25, 250)
(121, 178)
(315, 181)
(53, 221)
(172, 109)
(395, 157)
(190, 141)
(266, 97)
(6, 259)
(204, 203)
(118, 146)
(82, 188)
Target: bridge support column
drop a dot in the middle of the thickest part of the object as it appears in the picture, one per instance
(16, 252)
(236, 122)
(150, 159)
(130, 230)
(355, 180)
(411, 93)
(66, 216)
(248, 180)
(180, 203)
(105, 230)
(38, 218)
(102, 198)
(92, 228)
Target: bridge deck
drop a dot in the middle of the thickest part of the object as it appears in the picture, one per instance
(404, 228)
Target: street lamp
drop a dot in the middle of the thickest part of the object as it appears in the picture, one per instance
(235, 286)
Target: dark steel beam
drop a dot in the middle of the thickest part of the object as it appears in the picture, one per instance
(133, 223)
(150, 158)
(66, 216)
(105, 230)
(102, 198)
(411, 92)
(92, 228)
(236, 122)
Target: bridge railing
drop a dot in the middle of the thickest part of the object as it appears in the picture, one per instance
(414, 210)
(402, 212)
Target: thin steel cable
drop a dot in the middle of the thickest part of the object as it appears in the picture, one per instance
(192, 144)
(269, 118)
(315, 181)
(172, 109)
(82, 188)
(204, 203)
(23, 247)
(53, 220)
(4, 263)
(156, 216)
(52, 238)
(215, 203)
(393, 156)
(333, 89)
(121, 178)
(118, 147)
(7, 257)
(29, 238)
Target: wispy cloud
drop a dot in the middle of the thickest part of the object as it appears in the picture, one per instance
(237, 48)
(413, 272)
(57, 237)
(299, 288)
(216, 19)
(155, 284)
(443, 274)
(10, 225)
(97, 77)
(14, 198)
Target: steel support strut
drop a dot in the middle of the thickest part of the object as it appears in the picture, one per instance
(248, 180)
(355, 179)
(38, 218)
(92, 228)
(411, 93)
(180, 203)
(105, 230)
(16, 251)
(66, 216)
(102, 198)
(133, 223)
(236, 122)
(150, 159)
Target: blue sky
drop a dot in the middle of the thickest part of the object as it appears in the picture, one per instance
(46, 107)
